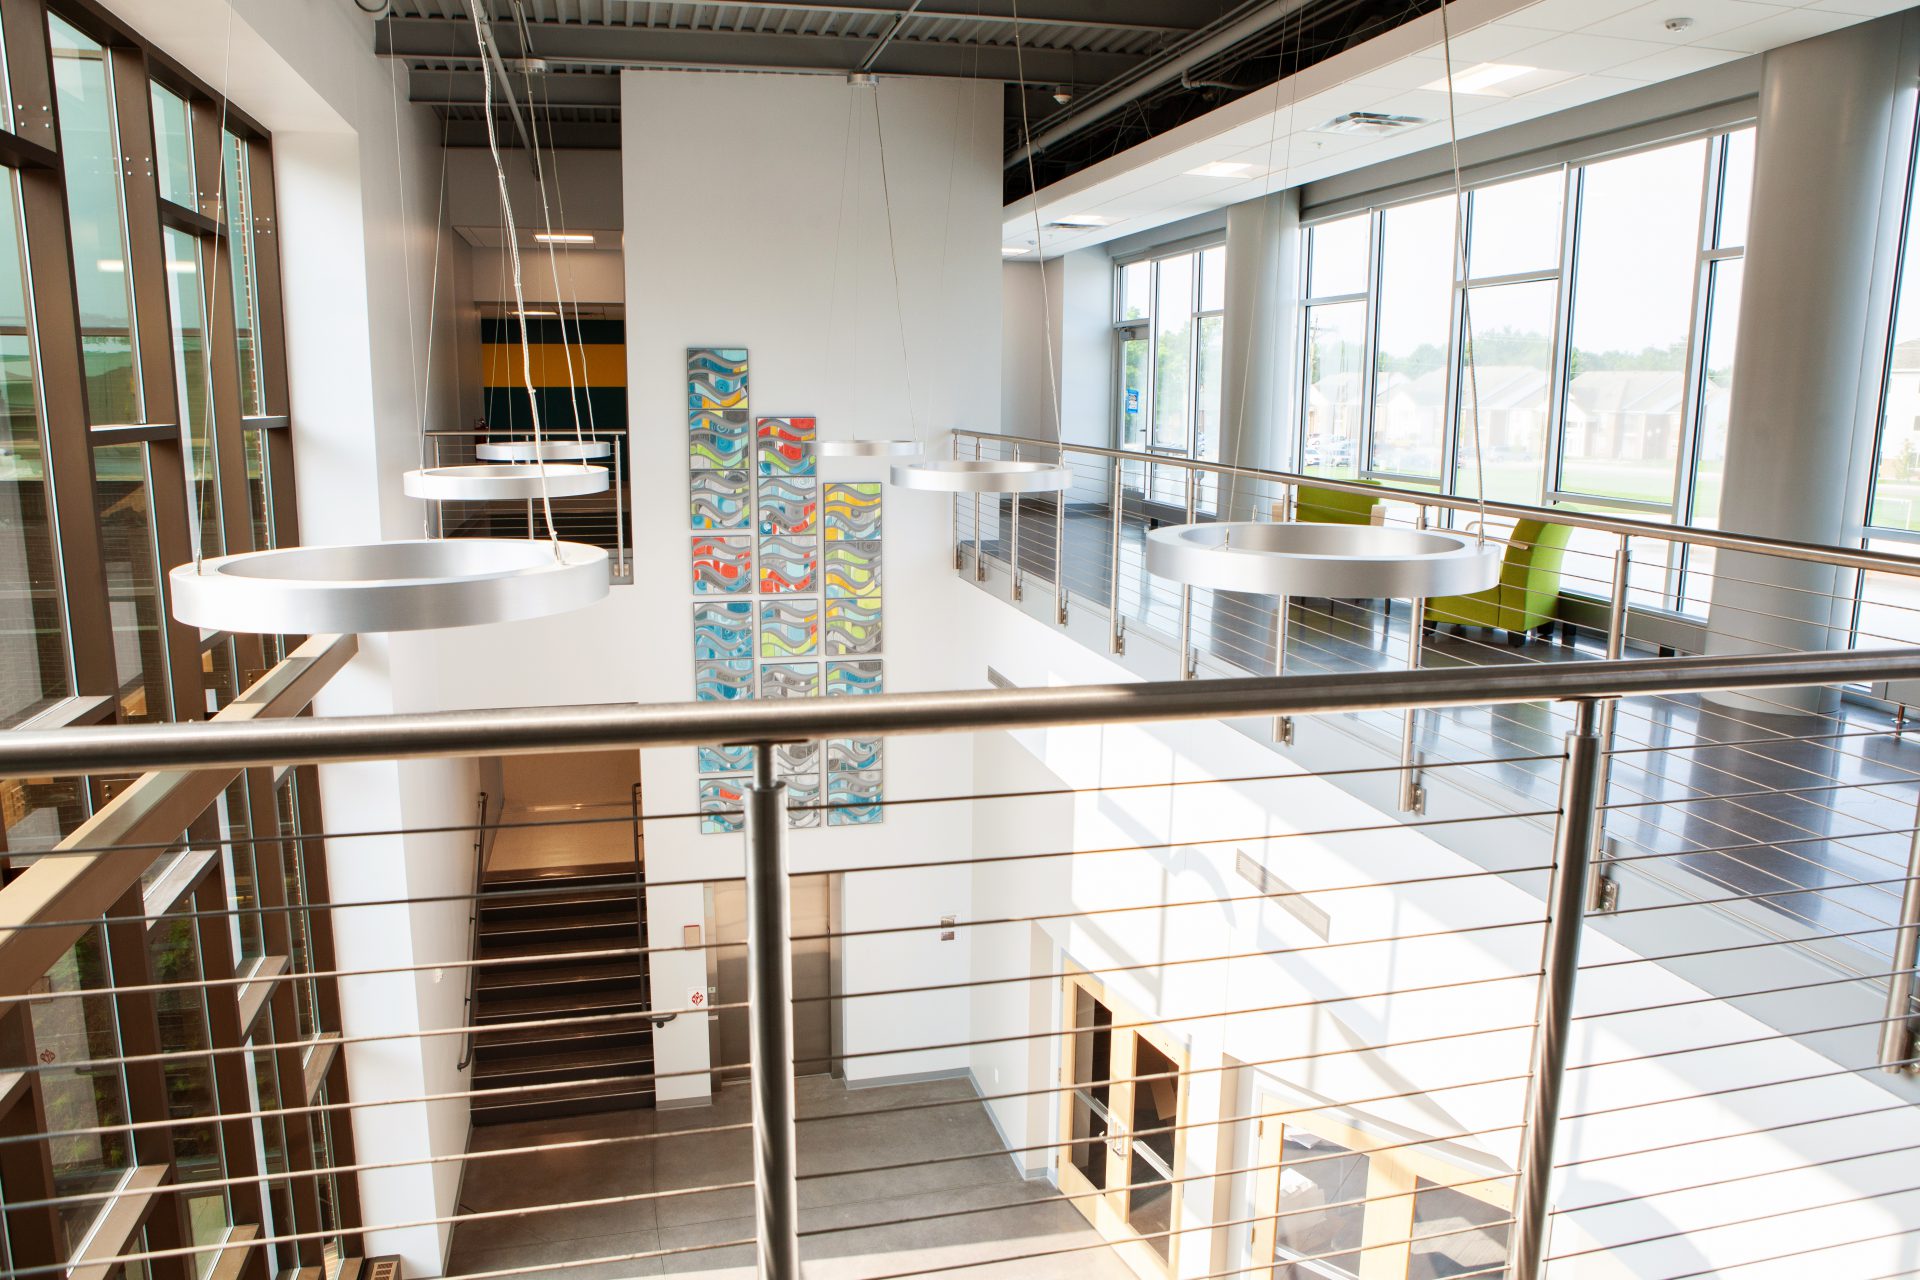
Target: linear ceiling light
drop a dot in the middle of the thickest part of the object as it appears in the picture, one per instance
(564, 237)
(1081, 221)
(1221, 169)
(1483, 79)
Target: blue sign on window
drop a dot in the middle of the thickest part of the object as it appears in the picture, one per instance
(1133, 399)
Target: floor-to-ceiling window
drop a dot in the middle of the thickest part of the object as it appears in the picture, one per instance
(1562, 337)
(1169, 314)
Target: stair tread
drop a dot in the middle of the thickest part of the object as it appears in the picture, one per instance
(508, 1039)
(498, 1008)
(510, 881)
(559, 949)
(611, 970)
(571, 1059)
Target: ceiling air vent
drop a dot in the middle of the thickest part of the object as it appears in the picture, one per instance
(1369, 122)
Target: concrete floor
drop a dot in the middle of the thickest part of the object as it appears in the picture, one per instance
(857, 1137)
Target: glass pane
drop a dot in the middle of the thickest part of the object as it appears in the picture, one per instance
(1896, 489)
(1416, 314)
(80, 77)
(1213, 279)
(1133, 393)
(1736, 190)
(1505, 373)
(1710, 452)
(1172, 346)
(246, 278)
(33, 664)
(126, 546)
(1889, 602)
(1323, 1191)
(1516, 226)
(192, 383)
(1336, 345)
(1136, 291)
(1632, 313)
(259, 502)
(173, 148)
(1206, 395)
(80, 1030)
(1156, 1097)
(1337, 256)
(1092, 1068)
(173, 949)
(299, 921)
(1464, 1236)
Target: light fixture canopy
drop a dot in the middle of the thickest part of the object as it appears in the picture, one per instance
(491, 481)
(866, 448)
(542, 450)
(1336, 561)
(982, 475)
(413, 585)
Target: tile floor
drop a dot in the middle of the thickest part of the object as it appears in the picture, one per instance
(862, 1221)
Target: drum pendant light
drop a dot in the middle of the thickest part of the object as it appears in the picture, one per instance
(1334, 561)
(492, 481)
(866, 448)
(982, 475)
(543, 450)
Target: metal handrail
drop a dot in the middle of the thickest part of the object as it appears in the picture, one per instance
(1813, 552)
(473, 927)
(608, 726)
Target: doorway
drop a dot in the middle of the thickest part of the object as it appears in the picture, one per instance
(1122, 1136)
(812, 910)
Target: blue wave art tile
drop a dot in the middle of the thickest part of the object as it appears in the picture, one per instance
(845, 754)
(722, 681)
(721, 500)
(726, 759)
(797, 757)
(716, 378)
(722, 805)
(786, 446)
(789, 565)
(722, 630)
(789, 679)
(789, 506)
(723, 564)
(852, 511)
(803, 797)
(853, 677)
(856, 798)
(718, 440)
(790, 628)
(852, 568)
(852, 627)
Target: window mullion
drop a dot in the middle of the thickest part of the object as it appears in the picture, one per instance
(1560, 361)
(1369, 345)
(1453, 397)
(1696, 369)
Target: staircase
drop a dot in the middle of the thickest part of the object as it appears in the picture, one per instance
(549, 925)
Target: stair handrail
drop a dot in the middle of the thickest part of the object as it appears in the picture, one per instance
(480, 854)
(640, 915)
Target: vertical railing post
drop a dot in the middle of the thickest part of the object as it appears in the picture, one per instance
(953, 451)
(979, 551)
(1187, 659)
(1413, 791)
(1117, 512)
(1060, 544)
(770, 1022)
(1603, 892)
(1897, 1037)
(1015, 592)
(1559, 966)
(1282, 725)
(620, 512)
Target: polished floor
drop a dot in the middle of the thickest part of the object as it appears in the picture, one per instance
(1809, 816)
(948, 1208)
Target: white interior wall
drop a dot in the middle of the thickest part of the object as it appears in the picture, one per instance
(1077, 302)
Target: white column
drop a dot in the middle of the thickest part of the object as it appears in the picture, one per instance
(1255, 349)
(1830, 175)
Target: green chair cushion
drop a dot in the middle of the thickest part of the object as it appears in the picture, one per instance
(1334, 506)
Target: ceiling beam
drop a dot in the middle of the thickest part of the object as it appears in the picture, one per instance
(555, 89)
(667, 47)
(566, 135)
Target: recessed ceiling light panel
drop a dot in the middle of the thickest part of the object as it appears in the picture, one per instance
(1483, 79)
(1221, 169)
(1369, 122)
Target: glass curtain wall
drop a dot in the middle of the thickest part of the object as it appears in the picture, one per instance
(1578, 352)
(1169, 317)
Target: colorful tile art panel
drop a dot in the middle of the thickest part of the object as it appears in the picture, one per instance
(796, 757)
(786, 446)
(722, 681)
(722, 630)
(789, 679)
(789, 506)
(844, 754)
(852, 511)
(803, 799)
(853, 568)
(721, 500)
(726, 759)
(856, 798)
(853, 677)
(853, 627)
(788, 565)
(716, 378)
(718, 441)
(722, 805)
(789, 628)
(723, 565)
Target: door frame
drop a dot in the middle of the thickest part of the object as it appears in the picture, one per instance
(1108, 1210)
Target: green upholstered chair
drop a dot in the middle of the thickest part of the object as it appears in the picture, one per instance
(1336, 506)
(1528, 590)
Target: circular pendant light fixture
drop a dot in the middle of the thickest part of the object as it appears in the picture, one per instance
(489, 482)
(413, 585)
(866, 448)
(982, 475)
(1335, 561)
(543, 450)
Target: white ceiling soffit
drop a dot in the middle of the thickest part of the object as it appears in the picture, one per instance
(1524, 58)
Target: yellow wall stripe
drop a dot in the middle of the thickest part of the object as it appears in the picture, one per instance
(605, 364)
